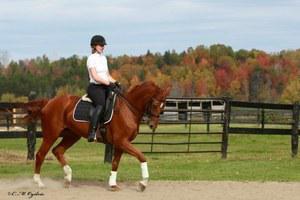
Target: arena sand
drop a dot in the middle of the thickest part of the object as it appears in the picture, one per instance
(157, 190)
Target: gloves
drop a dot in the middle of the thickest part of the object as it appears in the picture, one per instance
(115, 87)
(118, 84)
(112, 86)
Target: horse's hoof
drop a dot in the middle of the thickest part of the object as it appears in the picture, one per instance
(40, 185)
(37, 180)
(114, 188)
(141, 186)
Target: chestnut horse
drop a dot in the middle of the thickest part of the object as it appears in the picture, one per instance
(57, 117)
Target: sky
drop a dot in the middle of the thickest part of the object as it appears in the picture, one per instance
(62, 28)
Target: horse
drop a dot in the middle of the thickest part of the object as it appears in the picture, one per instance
(57, 121)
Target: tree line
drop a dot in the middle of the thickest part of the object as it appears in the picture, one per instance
(214, 71)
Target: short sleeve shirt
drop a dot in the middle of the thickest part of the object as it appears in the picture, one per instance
(99, 62)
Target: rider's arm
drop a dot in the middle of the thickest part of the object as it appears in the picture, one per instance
(96, 77)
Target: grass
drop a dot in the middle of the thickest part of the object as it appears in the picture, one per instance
(250, 158)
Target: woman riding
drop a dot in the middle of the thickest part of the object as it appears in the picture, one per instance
(100, 82)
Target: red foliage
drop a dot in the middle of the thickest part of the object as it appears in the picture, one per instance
(264, 60)
(223, 78)
(201, 88)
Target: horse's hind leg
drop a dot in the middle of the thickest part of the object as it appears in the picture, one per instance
(130, 149)
(68, 140)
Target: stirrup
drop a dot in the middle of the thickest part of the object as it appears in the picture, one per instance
(90, 139)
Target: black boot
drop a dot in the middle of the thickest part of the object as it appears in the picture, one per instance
(94, 123)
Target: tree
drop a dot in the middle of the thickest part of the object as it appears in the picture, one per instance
(201, 71)
(69, 89)
(171, 58)
(218, 50)
(134, 81)
(260, 86)
(4, 58)
(242, 55)
(223, 80)
(291, 93)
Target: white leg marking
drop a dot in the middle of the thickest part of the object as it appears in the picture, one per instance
(145, 173)
(68, 173)
(113, 178)
(37, 180)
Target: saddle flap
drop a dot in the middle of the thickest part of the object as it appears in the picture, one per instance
(109, 107)
(84, 108)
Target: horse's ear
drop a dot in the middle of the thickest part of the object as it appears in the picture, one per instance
(167, 90)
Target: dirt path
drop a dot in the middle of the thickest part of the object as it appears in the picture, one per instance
(158, 190)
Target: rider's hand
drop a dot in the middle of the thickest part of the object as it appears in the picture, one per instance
(118, 84)
(112, 86)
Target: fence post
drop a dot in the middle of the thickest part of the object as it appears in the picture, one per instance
(31, 140)
(108, 153)
(190, 123)
(7, 116)
(263, 119)
(208, 119)
(226, 127)
(31, 133)
(295, 128)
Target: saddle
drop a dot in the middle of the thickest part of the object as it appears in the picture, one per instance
(84, 109)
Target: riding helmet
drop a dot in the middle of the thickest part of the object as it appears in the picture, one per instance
(98, 40)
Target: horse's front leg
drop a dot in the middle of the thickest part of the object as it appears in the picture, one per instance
(113, 186)
(130, 149)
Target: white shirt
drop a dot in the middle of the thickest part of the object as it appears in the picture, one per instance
(99, 62)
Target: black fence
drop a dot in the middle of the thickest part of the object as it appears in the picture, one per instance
(189, 125)
(272, 119)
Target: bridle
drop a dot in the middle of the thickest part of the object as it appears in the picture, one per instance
(150, 105)
(148, 108)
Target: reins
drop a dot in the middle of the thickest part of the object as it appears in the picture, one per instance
(135, 110)
(131, 107)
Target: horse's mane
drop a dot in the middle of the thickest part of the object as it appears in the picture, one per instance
(143, 84)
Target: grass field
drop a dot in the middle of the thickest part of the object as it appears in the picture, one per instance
(250, 158)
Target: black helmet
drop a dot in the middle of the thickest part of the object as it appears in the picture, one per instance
(98, 40)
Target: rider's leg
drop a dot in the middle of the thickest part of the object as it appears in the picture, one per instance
(98, 94)
(94, 123)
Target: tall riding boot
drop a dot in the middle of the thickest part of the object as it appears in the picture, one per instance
(94, 123)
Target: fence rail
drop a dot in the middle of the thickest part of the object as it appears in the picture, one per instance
(231, 117)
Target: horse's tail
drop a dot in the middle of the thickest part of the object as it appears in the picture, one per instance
(34, 109)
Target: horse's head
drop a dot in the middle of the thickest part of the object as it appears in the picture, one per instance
(156, 106)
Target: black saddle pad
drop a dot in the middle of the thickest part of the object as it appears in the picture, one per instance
(84, 109)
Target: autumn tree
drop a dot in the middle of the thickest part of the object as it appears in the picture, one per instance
(291, 93)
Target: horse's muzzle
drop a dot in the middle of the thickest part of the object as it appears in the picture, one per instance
(152, 126)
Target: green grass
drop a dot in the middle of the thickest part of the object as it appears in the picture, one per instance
(250, 158)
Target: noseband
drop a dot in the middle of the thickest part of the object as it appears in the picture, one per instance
(149, 107)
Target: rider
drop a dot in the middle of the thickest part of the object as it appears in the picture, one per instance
(100, 82)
